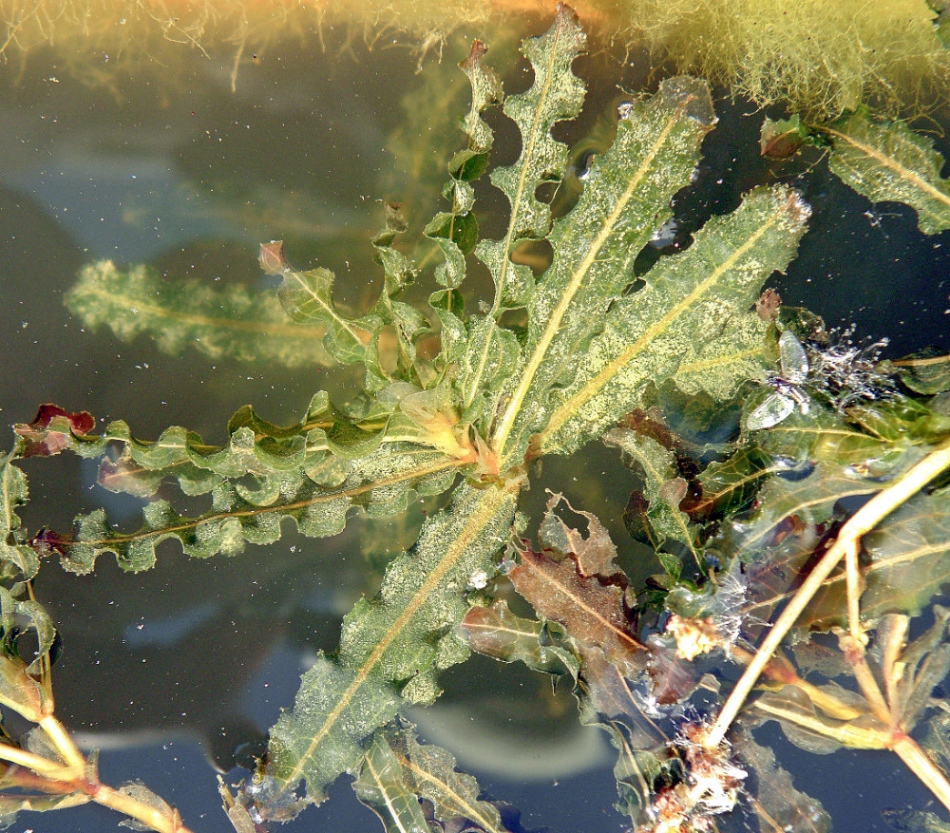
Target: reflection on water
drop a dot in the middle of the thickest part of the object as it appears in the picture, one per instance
(192, 178)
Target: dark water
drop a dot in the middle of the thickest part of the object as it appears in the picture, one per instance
(164, 669)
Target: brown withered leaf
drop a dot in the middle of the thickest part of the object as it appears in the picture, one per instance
(592, 611)
(594, 554)
(497, 632)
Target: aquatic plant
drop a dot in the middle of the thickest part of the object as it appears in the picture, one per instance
(823, 58)
(462, 405)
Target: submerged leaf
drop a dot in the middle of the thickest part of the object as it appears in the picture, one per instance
(392, 646)
(306, 298)
(690, 299)
(17, 559)
(230, 321)
(379, 484)
(664, 489)
(776, 797)
(925, 374)
(626, 195)
(886, 161)
(399, 772)
(592, 612)
(497, 632)
(555, 95)
(382, 787)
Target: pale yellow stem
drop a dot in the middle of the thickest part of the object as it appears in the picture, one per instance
(60, 738)
(925, 769)
(52, 770)
(864, 520)
(853, 582)
(162, 822)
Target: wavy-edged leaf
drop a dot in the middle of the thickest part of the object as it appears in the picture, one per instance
(391, 646)
(664, 489)
(876, 439)
(254, 447)
(888, 162)
(626, 195)
(731, 485)
(17, 559)
(695, 298)
(379, 484)
(719, 366)
(20, 612)
(228, 321)
(497, 632)
(398, 772)
(323, 444)
(776, 543)
(591, 612)
(306, 298)
(925, 374)
(491, 355)
(382, 787)
(776, 796)
(456, 231)
(594, 554)
(917, 821)
(556, 94)
(909, 557)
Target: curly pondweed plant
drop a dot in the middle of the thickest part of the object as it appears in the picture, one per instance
(582, 349)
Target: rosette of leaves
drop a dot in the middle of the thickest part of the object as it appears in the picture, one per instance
(549, 365)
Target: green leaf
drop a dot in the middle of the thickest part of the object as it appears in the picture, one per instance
(398, 772)
(692, 299)
(306, 298)
(456, 231)
(719, 366)
(776, 796)
(909, 557)
(491, 355)
(17, 559)
(916, 821)
(782, 138)
(925, 374)
(393, 645)
(664, 489)
(497, 632)
(382, 787)
(887, 162)
(379, 484)
(230, 321)
(555, 95)
(875, 438)
(19, 612)
(626, 195)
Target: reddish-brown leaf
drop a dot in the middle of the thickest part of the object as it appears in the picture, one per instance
(594, 554)
(592, 612)
(52, 429)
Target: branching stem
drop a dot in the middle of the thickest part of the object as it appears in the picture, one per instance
(849, 538)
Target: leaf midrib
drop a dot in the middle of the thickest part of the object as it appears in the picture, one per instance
(569, 408)
(492, 500)
(501, 434)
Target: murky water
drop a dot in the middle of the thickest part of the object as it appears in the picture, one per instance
(192, 659)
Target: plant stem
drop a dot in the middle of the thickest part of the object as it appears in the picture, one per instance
(863, 521)
(60, 738)
(167, 821)
(925, 769)
(48, 769)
